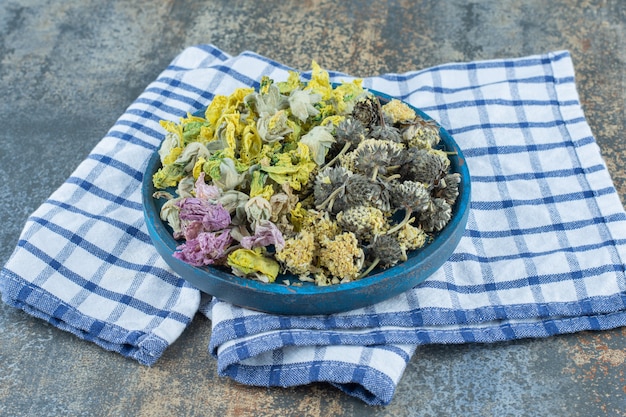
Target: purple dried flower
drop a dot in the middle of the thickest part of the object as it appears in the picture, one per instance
(205, 249)
(191, 230)
(205, 191)
(265, 233)
(213, 217)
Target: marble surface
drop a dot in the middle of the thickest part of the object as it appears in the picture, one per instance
(69, 69)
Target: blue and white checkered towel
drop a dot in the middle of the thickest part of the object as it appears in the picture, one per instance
(543, 253)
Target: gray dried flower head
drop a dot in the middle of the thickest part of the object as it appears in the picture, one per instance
(425, 166)
(374, 156)
(387, 250)
(364, 221)
(421, 133)
(448, 188)
(350, 130)
(436, 216)
(348, 134)
(361, 190)
(386, 132)
(411, 196)
(327, 181)
(367, 111)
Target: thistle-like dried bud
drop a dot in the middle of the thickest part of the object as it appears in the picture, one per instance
(448, 188)
(364, 221)
(386, 132)
(436, 216)
(327, 181)
(363, 191)
(367, 111)
(375, 156)
(421, 133)
(410, 195)
(387, 250)
(425, 166)
(350, 130)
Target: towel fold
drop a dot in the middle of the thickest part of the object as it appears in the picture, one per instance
(543, 253)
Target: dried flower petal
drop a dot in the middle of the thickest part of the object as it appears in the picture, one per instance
(319, 140)
(273, 127)
(301, 104)
(265, 233)
(253, 263)
(257, 209)
(205, 191)
(213, 217)
(206, 249)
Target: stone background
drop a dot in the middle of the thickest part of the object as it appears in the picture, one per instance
(69, 69)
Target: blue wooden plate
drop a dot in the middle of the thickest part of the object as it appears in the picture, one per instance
(308, 298)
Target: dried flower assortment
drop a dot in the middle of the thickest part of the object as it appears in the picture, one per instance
(322, 181)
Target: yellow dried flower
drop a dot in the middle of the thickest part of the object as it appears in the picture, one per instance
(398, 111)
(320, 224)
(297, 254)
(348, 161)
(411, 237)
(364, 221)
(248, 262)
(341, 256)
(320, 82)
(172, 156)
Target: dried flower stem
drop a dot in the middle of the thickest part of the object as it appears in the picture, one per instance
(375, 173)
(392, 177)
(336, 158)
(330, 198)
(370, 268)
(407, 217)
(231, 249)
